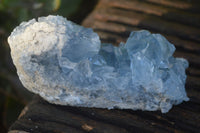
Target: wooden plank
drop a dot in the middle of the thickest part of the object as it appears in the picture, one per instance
(120, 33)
(175, 4)
(149, 22)
(40, 112)
(157, 10)
(111, 120)
(193, 72)
(186, 5)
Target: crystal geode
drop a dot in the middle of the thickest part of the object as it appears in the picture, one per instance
(66, 64)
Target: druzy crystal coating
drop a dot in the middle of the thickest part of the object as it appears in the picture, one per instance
(66, 64)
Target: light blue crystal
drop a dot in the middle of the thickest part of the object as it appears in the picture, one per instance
(144, 65)
(80, 71)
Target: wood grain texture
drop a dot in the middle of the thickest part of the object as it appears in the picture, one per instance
(113, 20)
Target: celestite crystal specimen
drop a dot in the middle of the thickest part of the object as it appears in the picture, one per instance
(66, 64)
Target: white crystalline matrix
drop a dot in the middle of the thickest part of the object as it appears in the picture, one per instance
(66, 64)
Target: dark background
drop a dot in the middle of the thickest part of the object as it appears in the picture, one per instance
(13, 96)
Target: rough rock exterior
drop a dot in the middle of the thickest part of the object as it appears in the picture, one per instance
(67, 64)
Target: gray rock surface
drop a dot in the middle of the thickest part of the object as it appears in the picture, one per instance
(66, 64)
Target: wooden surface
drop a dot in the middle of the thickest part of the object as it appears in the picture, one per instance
(179, 22)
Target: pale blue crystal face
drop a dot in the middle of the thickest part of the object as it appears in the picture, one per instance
(141, 72)
(72, 67)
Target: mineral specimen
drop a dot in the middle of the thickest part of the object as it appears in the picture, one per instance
(66, 64)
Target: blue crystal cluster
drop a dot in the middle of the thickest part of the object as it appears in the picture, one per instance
(72, 67)
(142, 72)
